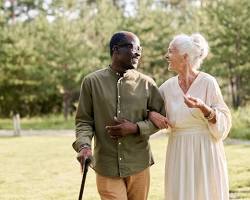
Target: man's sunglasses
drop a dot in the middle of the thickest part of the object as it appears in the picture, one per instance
(134, 48)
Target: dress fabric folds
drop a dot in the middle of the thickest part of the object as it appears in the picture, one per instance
(196, 166)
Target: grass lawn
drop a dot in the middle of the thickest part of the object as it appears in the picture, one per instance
(240, 118)
(40, 123)
(45, 168)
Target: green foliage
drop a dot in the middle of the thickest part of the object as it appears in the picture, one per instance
(241, 123)
(227, 25)
(44, 56)
(25, 85)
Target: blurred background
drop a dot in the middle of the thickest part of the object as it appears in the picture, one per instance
(48, 46)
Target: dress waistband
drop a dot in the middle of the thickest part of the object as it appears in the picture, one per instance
(190, 131)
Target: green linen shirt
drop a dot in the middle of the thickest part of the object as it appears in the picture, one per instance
(104, 95)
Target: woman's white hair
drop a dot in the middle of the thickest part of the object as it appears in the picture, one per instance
(195, 46)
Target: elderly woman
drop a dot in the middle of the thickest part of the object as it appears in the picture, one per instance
(196, 166)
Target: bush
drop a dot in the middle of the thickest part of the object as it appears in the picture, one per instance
(241, 123)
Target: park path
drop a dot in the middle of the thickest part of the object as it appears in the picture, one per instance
(66, 132)
(69, 132)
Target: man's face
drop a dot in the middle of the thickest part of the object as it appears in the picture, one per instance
(129, 52)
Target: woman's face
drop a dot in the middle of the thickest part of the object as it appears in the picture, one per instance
(176, 62)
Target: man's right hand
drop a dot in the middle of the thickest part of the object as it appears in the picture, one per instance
(84, 153)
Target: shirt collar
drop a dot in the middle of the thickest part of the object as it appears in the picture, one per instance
(114, 72)
(130, 74)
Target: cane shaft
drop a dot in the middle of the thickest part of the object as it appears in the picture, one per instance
(85, 171)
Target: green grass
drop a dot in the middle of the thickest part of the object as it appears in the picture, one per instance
(38, 123)
(45, 168)
(239, 170)
(240, 119)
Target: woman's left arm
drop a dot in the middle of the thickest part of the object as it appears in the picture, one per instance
(223, 123)
(215, 110)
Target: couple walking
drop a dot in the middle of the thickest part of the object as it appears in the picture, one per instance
(120, 108)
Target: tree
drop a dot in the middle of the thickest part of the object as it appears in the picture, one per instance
(227, 24)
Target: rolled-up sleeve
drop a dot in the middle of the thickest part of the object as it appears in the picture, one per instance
(155, 103)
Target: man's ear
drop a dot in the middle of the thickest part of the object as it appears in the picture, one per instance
(115, 49)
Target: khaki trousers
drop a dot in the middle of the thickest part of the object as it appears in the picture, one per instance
(134, 187)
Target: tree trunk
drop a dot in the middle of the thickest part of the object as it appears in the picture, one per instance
(236, 77)
(238, 100)
(234, 81)
(17, 125)
(13, 16)
(234, 85)
(66, 104)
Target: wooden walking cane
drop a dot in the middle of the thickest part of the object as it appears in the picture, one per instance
(85, 171)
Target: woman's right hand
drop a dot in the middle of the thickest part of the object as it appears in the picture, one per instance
(159, 120)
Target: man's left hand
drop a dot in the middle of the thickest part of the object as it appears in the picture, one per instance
(122, 128)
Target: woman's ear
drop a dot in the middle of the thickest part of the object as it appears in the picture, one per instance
(185, 57)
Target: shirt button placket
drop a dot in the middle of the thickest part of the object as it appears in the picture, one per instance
(119, 97)
(119, 115)
(119, 155)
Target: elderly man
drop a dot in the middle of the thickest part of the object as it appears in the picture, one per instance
(113, 108)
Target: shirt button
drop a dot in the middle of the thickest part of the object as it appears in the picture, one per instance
(119, 111)
(119, 143)
(120, 158)
(119, 97)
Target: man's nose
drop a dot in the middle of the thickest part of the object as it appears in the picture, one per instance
(137, 54)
